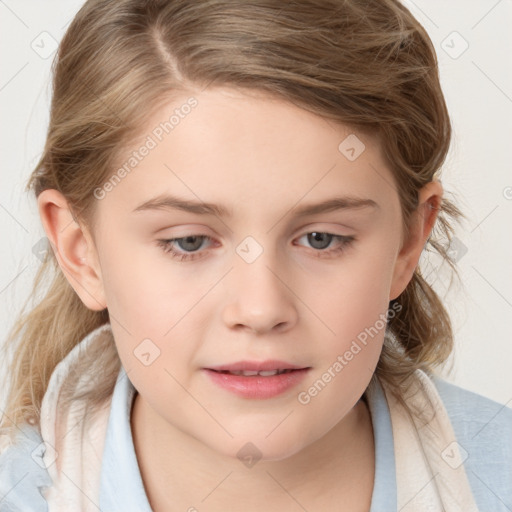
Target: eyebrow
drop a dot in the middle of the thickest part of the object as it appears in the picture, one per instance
(168, 202)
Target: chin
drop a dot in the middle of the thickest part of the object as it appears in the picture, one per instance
(252, 447)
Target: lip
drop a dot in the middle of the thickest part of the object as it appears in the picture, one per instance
(257, 387)
(258, 366)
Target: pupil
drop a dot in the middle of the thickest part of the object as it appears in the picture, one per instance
(323, 239)
(190, 240)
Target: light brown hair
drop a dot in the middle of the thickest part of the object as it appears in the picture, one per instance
(366, 63)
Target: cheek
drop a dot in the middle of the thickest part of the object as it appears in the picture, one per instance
(347, 358)
(146, 292)
(352, 297)
(152, 307)
(355, 306)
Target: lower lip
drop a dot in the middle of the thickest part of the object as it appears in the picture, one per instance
(258, 387)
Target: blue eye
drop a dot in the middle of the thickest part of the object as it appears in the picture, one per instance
(321, 240)
(191, 244)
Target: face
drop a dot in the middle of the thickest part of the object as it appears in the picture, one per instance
(202, 299)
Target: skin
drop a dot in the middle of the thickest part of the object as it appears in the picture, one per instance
(263, 158)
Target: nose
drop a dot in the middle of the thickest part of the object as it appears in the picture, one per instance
(260, 297)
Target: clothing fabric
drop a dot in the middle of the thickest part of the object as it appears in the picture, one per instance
(461, 459)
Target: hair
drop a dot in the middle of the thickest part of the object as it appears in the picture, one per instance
(367, 64)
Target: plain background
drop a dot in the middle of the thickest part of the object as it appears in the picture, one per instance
(473, 42)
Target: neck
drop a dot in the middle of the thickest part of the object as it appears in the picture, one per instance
(180, 473)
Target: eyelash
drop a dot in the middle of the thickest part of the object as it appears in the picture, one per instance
(168, 244)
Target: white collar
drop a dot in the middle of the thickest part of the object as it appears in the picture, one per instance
(96, 457)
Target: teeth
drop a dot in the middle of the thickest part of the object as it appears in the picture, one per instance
(253, 373)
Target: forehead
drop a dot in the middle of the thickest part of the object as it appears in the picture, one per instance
(247, 150)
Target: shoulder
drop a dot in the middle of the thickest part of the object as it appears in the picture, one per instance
(475, 415)
(483, 428)
(23, 474)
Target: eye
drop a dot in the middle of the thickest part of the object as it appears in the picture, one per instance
(191, 244)
(321, 240)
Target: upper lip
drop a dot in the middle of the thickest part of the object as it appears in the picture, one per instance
(257, 366)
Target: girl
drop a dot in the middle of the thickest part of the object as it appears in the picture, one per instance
(237, 195)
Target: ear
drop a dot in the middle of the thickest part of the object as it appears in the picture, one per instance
(73, 247)
(420, 226)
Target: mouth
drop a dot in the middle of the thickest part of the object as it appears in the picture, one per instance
(254, 373)
(253, 379)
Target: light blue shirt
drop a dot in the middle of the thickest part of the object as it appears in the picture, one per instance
(483, 429)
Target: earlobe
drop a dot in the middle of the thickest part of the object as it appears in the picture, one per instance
(421, 224)
(73, 248)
